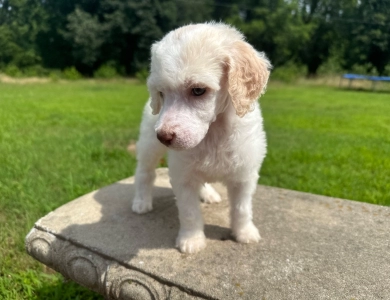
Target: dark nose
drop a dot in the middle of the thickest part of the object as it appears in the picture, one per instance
(166, 137)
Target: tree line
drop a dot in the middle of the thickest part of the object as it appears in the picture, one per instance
(333, 35)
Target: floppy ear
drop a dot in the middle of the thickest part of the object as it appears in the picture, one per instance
(248, 72)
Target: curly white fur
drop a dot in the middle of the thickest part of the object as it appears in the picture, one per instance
(217, 136)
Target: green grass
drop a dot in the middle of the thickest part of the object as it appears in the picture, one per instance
(61, 140)
(57, 141)
(328, 141)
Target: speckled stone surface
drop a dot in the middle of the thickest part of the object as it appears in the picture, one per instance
(312, 247)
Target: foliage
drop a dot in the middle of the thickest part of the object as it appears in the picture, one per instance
(288, 73)
(13, 71)
(274, 30)
(59, 34)
(367, 39)
(322, 17)
(72, 74)
(106, 71)
(20, 23)
(386, 72)
(8, 47)
(86, 37)
(55, 75)
(30, 71)
(333, 64)
(366, 68)
(142, 75)
(35, 71)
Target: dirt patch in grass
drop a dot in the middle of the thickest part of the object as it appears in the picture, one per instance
(7, 79)
(132, 148)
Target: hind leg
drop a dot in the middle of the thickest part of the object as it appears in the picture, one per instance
(208, 194)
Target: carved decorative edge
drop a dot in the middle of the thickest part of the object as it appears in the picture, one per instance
(99, 274)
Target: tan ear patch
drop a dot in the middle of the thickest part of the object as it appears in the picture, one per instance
(247, 76)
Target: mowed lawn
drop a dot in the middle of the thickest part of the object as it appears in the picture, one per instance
(328, 141)
(57, 142)
(61, 140)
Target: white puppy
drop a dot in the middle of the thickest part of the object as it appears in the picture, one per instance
(204, 84)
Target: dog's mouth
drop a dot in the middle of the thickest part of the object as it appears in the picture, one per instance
(177, 146)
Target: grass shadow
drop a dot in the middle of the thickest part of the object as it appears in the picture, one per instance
(62, 289)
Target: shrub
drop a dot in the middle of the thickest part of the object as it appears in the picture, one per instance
(35, 71)
(13, 71)
(288, 73)
(55, 75)
(72, 74)
(331, 67)
(106, 71)
(387, 70)
(142, 75)
(366, 69)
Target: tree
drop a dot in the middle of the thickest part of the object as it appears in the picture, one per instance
(274, 27)
(132, 27)
(89, 33)
(86, 36)
(366, 31)
(20, 22)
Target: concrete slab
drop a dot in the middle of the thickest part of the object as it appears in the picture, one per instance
(312, 247)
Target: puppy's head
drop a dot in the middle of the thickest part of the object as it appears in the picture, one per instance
(196, 72)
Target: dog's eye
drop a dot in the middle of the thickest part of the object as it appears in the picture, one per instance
(161, 94)
(198, 91)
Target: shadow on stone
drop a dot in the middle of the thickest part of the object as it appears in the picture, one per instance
(110, 225)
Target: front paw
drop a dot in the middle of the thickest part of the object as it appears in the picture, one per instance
(247, 234)
(141, 207)
(191, 243)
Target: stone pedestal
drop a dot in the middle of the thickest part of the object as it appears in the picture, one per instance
(312, 247)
